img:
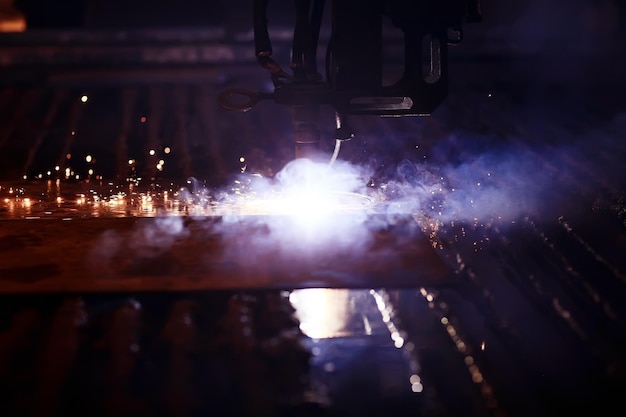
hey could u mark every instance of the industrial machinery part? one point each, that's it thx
(353, 81)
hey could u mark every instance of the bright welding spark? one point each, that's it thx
(305, 203)
(307, 208)
(306, 190)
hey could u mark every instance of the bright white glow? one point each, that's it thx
(84, 99)
(307, 190)
(417, 387)
(307, 204)
(323, 313)
(399, 342)
(310, 210)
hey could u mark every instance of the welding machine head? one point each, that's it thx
(353, 79)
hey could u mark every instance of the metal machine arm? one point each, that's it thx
(353, 81)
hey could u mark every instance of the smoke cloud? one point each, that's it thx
(314, 213)
(468, 178)
(309, 211)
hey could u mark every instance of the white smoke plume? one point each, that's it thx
(311, 211)
(307, 211)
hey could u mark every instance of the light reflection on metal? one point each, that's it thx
(331, 317)
(323, 313)
(588, 287)
(592, 251)
(386, 310)
(132, 198)
(462, 347)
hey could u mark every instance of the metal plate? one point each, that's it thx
(141, 254)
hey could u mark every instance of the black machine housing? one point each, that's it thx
(353, 81)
